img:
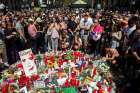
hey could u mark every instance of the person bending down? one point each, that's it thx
(111, 55)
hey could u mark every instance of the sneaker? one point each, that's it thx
(6, 64)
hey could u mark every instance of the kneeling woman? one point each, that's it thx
(111, 55)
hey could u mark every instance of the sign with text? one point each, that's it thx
(39, 84)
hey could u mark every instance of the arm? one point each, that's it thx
(56, 26)
(110, 58)
(82, 25)
(20, 33)
(136, 55)
(119, 36)
(35, 28)
(9, 37)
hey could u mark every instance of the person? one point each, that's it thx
(136, 51)
(2, 7)
(95, 37)
(11, 46)
(3, 55)
(32, 31)
(54, 36)
(20, 29)
(77, 43)
(71, 26)
(116, 36)
(48, 37)
(85, 24)
(64, 41)
(111, 55)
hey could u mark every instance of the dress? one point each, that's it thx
(11, 47)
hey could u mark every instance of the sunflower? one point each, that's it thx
(50, 64)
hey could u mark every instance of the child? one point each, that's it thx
(77, 43)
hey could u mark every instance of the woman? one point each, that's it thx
(54, 36)
(116, 36)
(20, 29)
(111, 55)
(95, 38)
(11, 47)
(32, 31)
(48, 37)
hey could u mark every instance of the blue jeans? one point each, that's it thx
(114, 44)
(54, 43)
(84, 36)
(48, 44)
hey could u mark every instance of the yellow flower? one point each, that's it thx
(50, 64)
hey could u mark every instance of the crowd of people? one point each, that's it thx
(110, 35)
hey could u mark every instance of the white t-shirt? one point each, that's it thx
(88, 23)
(2, 6)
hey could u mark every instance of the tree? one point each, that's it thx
(65, 2)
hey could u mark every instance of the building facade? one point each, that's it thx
(114, 3)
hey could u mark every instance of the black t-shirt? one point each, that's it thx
(12, 40)
(136, 47)
(72, 25)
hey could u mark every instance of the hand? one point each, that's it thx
(138, 60)
(14, 33)
(104, 58)
(126, 52)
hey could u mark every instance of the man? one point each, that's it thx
(85, 25)
(2, 7)
(3, 56)
(71, 26)
(136, 54)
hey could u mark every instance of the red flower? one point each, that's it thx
(34, 77)
(73, 82)
(100, 91)
(31, 57)
(76, 54)
(20, 66)
(23, 80)
(46, 61)
(78, 83)
(67, 83)
(5, 88)
(94, 72)
(52, 59)
(60, 62)
(109, 89)
(94, 91)
(99, 84)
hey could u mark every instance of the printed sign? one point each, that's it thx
(39, 84)
(29, 65)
